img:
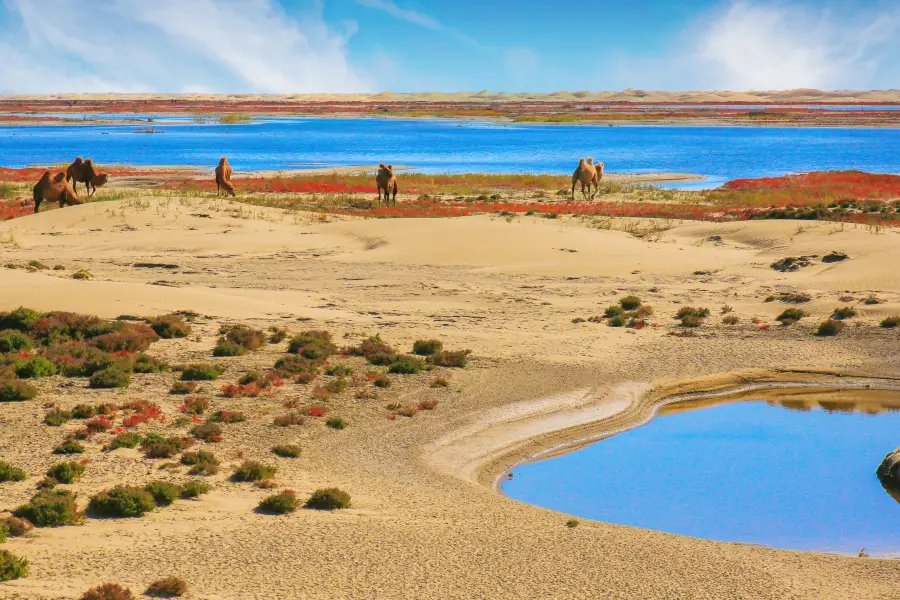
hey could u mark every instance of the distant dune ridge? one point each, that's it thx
(628, 95)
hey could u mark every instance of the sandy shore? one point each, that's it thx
(426, 521)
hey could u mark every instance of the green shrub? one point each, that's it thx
(122, 501)
(9, 472)
(208, 432)
(382, 381)
(690, 311)
(296, 365)
(280, 504)
(243, 335)
(21, 319)
(112, 377)
(227, 416)
(108, 591)
(844, 312)
(830, 327)
(147, 364)
(193, 489)
(277, 334)
(339, 371)
(157, 446)
(251, 470)
(164, 492)
(125, 440)
(195, 406)
(57, 417)
(451, 358)
(202, 372)
(613, 311)
(337, 386)
(196, 458)
(314, 345)
(617, 321)
(407, 365)
(69, 447)
(34, 368)
(791, 315)
(4, 532)
(375, 351)
(287, 450)
(66, 472)
(14, 342)
(47, 483)
(225, 348)
(251, 377)
(50, 508)
(891, 322)
(328, 499)
(170, 587)
(730, 320)
(170, 326)
(182, 388)
(84, 411)
(16, 391)
(427, 347)
(336, 423)
(11, 566)
(629, 302)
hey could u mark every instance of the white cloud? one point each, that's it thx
(417, 18)
(771, 46)
(172, 46)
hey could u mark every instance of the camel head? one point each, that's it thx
(100, 180)
(390, 168)
(223, 161)
(381, 166)
(590, 160)
(58, 177)
(78, 161)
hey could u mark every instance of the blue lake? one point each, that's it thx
(739, 472)
(721, 153)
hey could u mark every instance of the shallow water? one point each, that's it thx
(721, 153)
(739, 472)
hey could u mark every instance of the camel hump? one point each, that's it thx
(390, 168)
(381, 166)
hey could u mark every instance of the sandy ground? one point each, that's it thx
(426, 521)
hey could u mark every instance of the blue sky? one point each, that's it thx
(310, 46)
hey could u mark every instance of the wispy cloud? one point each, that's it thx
(417, 18)
(171, 46)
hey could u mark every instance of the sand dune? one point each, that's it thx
(426, 521)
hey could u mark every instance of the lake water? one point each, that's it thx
(739, 472)
(721, 153)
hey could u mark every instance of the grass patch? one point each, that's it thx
(280, 504)
(202, 372)
(251, 470)
(122, 501)
(328, 499)
(12, 566)
(287, 451)
(9, 472)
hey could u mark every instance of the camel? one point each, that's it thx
(386, 180)
(83, 171)
(56, 189)
(586, 174)
(223, 177)
(599, 167)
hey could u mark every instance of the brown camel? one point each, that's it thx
(387, 182)
(223, 177)
(599, 167)
(84, 171)
(56, 189)
(586, 174)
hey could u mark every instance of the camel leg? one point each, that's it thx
(394, 201)
(379, 197)
(573, 189)
(37, 204)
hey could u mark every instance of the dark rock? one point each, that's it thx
(889, 471)
(833, 256)
(793, 263)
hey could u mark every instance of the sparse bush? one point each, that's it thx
(130, 337)
(228, 416)
(730, 320)
(57, 417)
(288, 420)
(251, 377)
(617, 321)
(66, 472)
(195, 406)
(891, 322)
(571, 523)
(791, 315)
(844, 312)
(170, 587)
(871, 299)
(613, 311)
(830, 327)
(157, 446)
(47, 483)
(451, 358)
(314, 345)
(629, 302)
(407, 411)
(164, 492)
(125, 440)
(427, 405)
(69, 447)
(208, 432)
(34, 368)
(382, 381)
(199, 457)
(226, 348)
(427, 347)
(82, 275)
(108, 591)
(339, 371)
(328, 499)
(440, 382)
(287, 450)
(280, 504)
(14, 341)
(337, 386)
(336, 423)
(122, 501)
(690, 311)
(183, 388)
(50, 508)
(296, 365)
(691, 321)
(98, 425)
(12, 566)
(9, 472)
(407, 365)
(277, 334)
(170, 326)
(375, 351)
(15, 526)
(193, 489)
(144, 363)
(202, 372)
(110, 378)
(16, 391)
(251, 470)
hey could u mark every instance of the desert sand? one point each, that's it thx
(427, 521)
